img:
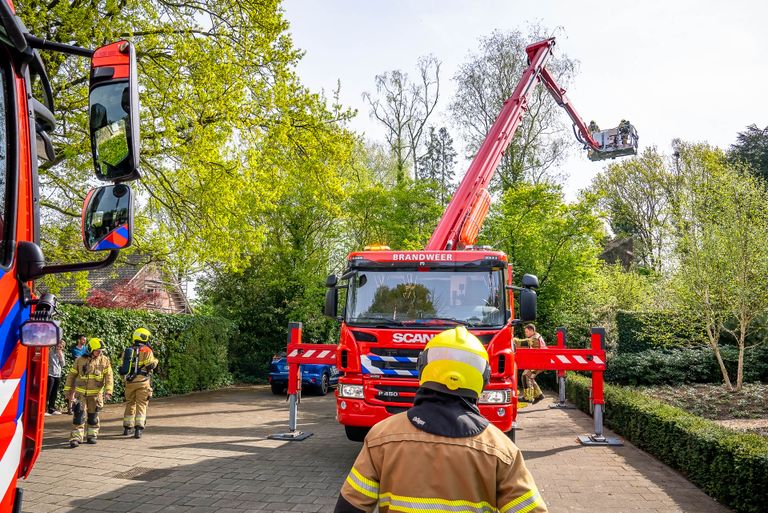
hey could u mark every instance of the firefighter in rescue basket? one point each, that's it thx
(138, 363)
(480, 468)
(89, 383)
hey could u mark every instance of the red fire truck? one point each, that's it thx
(26, 325)
(396, 301)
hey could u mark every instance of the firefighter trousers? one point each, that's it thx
(86, 410)
(136, 400)
(531, 389)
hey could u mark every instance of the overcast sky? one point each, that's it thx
(697, 70)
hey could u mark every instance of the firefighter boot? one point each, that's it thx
(126, 431)
(137, 433)
(90, 440)
(73, 444)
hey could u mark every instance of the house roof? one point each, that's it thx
(122, 271)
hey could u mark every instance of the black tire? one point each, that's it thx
(324, 386)
(278, 389)
(356, 433)
(511, 434)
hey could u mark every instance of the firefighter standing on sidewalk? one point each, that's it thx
(138, 363)
(442, 454)
(89, 383)
(531, 391)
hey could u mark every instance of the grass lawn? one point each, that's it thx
(746, 410)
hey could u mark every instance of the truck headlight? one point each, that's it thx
(495, 397)
(351, 391)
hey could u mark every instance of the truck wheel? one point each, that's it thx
(511, 434)
(356, 433)
(322, 389)
(277, 389)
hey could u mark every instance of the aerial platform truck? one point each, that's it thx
(396, 301)
(27, 327)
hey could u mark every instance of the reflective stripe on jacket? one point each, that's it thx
(401, 468)
(90, 376)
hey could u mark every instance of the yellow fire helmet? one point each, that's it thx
(95, 344)
(141, 335)
(455, 362)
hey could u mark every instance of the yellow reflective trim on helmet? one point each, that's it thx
(457, 355)
(459, 338)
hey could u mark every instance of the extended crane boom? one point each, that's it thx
(464, 215)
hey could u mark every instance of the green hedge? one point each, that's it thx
(731, 467)
(639, 331)
(192, 349)
(684, 365)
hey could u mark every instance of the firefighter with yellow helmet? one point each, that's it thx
(138, 363)
(442, 454)
(89, 383)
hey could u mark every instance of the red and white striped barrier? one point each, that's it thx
(297, 355)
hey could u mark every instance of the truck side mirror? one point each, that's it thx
(332, 302)
(114, 112)
(107, 218)
(332, 296)
(530, 281)
(527, 305)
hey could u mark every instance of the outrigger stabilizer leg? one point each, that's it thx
(294, 390)
(562, 336)
(598, 438)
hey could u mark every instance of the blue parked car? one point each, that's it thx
(319, 378)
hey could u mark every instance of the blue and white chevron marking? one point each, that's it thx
(366, 361)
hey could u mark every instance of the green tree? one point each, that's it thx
(751, 148)
(721, 217)
(224, 120)
(557, 241)
(438, 162)
(379, 209)
(487, 79)
(635, 193)
(404, 106)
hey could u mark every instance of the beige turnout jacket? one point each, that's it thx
(402, 468)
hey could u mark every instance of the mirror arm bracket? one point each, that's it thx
(44, 44)
(82, 266)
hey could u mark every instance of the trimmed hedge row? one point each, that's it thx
(731, 467)
(684, 365)
(192, 349)
(639, 331)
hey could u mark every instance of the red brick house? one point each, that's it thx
(134, 283)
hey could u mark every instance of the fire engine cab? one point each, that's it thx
(27, 327)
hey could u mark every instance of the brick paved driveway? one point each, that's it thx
(208, 452)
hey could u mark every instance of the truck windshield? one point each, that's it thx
(434, 298)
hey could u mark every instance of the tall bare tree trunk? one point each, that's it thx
(740, 366)
(713, 337)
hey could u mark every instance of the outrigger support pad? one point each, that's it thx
(597, 438)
